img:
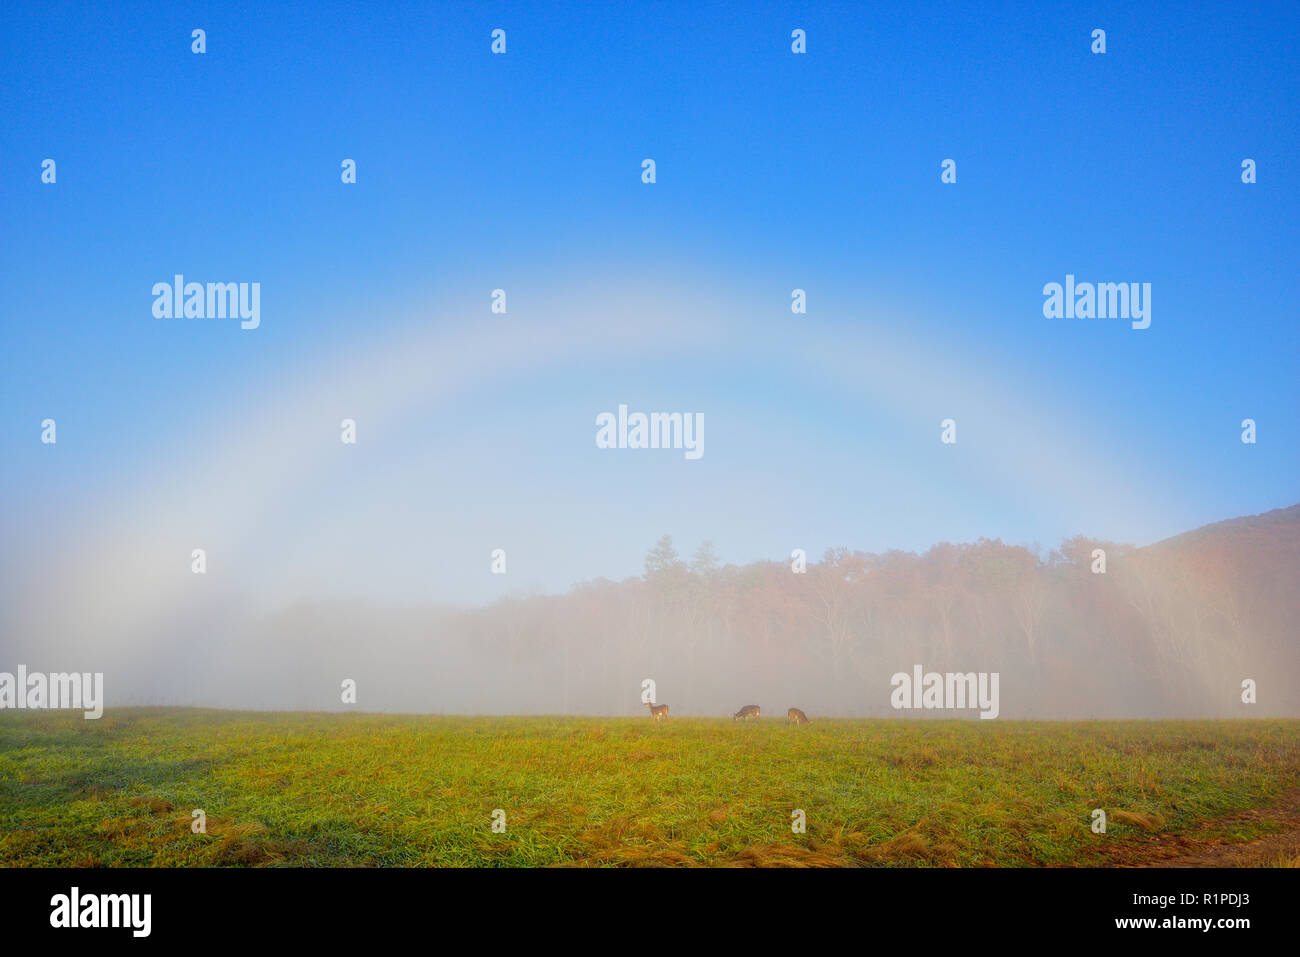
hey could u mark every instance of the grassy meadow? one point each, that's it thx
(310, 789)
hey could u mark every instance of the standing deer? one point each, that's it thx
(657, 711)
(747, 712)
(796, 716)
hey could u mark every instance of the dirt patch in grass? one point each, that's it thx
(1195, 848)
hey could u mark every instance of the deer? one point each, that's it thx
(795, 716)
(657, 711)
(747, 712)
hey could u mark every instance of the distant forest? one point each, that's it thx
(1168, 630)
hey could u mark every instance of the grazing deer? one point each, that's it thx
(657, 711)
(747, 712)
(796, 716)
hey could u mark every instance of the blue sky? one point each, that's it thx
(522, 171)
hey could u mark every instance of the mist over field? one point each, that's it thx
(1169, 630)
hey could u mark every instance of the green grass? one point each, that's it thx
(325, 789)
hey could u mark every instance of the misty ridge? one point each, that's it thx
(1169, 630)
